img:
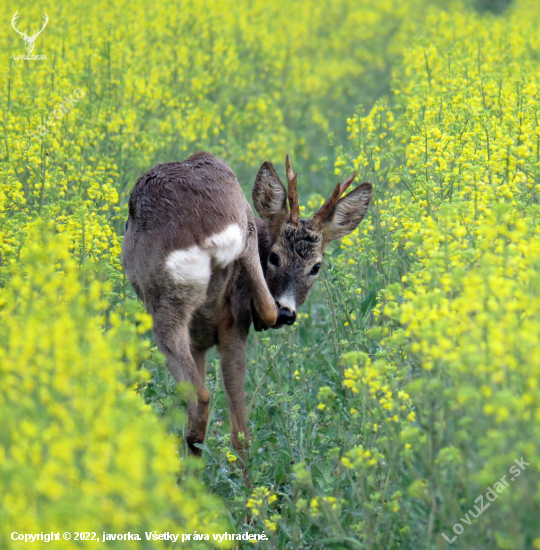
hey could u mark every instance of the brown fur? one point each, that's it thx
(176, 206)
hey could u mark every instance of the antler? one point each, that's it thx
(23, 34)
(331, 202)
(13, 21)
(292, 193)
(37, 33)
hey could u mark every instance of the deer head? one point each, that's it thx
(29, 40)
(291, 248)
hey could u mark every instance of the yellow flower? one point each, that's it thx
(270, 525)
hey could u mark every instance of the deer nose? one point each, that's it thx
(286, 316)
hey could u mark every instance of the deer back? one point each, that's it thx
(186, 219)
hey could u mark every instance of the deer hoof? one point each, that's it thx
(191, 439)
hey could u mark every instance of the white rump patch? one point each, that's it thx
(192, 265)
(189, 266)
(226, 245)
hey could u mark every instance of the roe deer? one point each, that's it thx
(205, 268)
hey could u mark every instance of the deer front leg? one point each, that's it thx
(232, 352)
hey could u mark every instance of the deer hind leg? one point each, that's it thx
(187, 278)
(198, 419)
(171, 333)
(264, 302)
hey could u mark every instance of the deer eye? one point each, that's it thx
(273, 259)
(315, 269)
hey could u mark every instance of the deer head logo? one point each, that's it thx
(29, 40)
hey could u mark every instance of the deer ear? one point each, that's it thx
(347, 214)
(270, 197)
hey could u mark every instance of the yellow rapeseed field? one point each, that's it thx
(457, 161)
(409, 386)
